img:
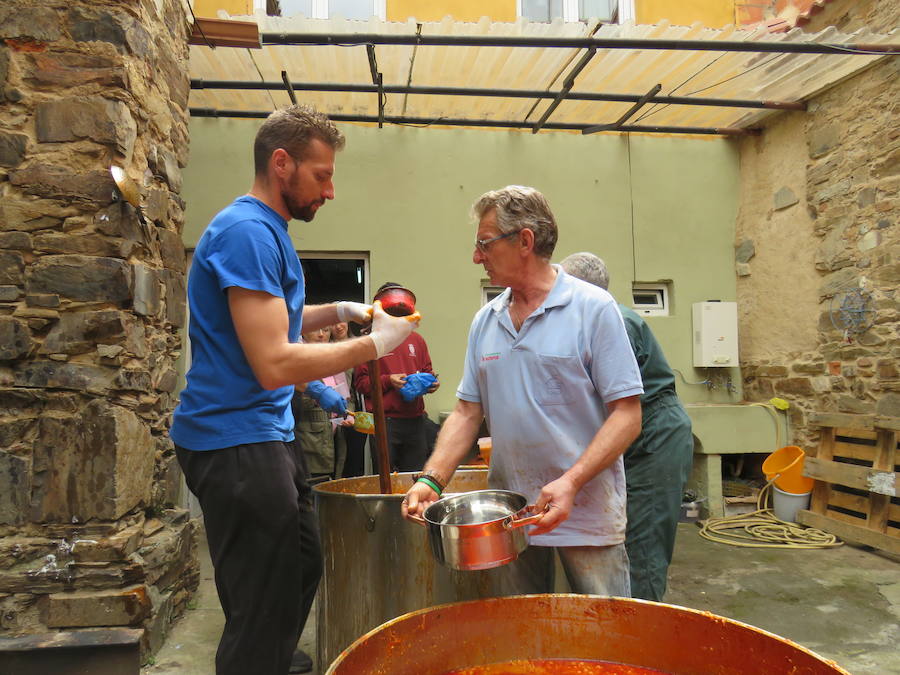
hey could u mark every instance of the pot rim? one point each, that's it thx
(463, 495)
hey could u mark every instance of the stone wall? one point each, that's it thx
(91, 311)
(818, 248)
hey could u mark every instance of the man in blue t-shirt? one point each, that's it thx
(233, 429)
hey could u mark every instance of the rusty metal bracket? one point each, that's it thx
(619, 123)
(568, 83)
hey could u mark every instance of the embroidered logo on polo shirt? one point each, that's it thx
(412, 349)
(491, 357)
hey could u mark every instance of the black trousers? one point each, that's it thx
(408, 443)
(265, 549)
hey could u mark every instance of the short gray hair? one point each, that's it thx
(519, 207)
(587, 267)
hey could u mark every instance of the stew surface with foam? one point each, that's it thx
(555, 667)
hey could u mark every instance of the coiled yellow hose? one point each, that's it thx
(761, 529)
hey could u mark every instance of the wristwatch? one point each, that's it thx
(430, 474)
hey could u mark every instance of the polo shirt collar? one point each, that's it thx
(560, 295)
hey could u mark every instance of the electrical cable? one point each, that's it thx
(762, 529)
(706, 381)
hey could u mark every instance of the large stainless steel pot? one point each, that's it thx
(378, 565)
(674, 640)
(478, 530)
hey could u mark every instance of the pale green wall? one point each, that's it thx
(403, 195)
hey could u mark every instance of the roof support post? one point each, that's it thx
(289, 87)
(567, 86)
(624, 118)
(378, 81)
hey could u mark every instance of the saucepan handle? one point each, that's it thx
(418, 519)
(511, 522)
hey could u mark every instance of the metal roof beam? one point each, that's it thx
(354, 39)
(568, 83)
(511, 124)
(500, 93)
(624, 118)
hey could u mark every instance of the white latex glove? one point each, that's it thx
(389, 331)
(354, 311)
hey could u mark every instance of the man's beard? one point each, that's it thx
(304, 212)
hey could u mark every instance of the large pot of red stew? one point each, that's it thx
(563, 634)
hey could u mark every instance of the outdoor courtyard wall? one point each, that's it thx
(661, 209)
(816, 230)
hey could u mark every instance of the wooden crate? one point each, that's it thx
(857, 472)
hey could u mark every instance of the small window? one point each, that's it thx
(488, 293)
(650, 299)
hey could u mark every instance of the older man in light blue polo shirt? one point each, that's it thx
(549, 365)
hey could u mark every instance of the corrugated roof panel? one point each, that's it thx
(706, 74)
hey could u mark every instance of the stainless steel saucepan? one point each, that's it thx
(478, 530)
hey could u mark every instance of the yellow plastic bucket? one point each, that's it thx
(787, 464)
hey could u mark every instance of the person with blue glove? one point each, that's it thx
(313, 407)
(406, 376)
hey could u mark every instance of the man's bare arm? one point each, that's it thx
(457, 435)
(261, 323)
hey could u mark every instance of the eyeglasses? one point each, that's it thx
(482, 244)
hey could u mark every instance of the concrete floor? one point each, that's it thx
(843, 603)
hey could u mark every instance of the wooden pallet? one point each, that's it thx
(857, 472)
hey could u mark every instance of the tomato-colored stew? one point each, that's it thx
(555, 667)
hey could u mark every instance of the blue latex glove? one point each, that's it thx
(327, 398)
(416, 385)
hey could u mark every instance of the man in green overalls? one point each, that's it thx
(658, 463)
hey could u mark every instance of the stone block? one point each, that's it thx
(4, 71)
(800, 386)
(119, 439)
(16, 431)
(84, 278)
(838, 281)
(171, 250)
(744, 251)
(743, 270)
(72, 376)
(889, 405)
(62, 182)
(167, 167)
(865, 197)
(784, 198)
(12, 268)
(87, 117)
(113, 548)
(47, 300)
(12, 149)
(119, 607)
(147, 296)
(19, 241)
(823, 138)
(869, 240)
(15, 339)
(889, 166)
(10, 293)
(852, 404)
(28, 20)
(72, 244)
(31, 215)
(15, 488)
(156, 208)
(67, 69)
(80, 332)
(176, 297)
(170, 553)
(133, 379)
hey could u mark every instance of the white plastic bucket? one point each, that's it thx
(787, 504)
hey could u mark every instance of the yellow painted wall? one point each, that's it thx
(710, 13)
(461, 10)
(210, 8)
